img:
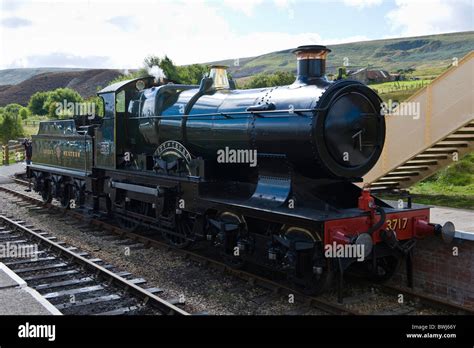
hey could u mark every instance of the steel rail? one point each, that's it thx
(326, 306)
(147, 297)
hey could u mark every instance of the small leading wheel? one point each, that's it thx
(179, 238)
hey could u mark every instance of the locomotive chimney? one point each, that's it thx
(311, 63)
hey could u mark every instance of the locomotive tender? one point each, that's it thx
(263, 175)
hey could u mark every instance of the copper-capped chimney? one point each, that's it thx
(311, 63)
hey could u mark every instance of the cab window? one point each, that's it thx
(109, 105)
(120, 102)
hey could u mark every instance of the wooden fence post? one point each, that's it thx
(6, 155)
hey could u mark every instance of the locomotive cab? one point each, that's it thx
(113, 138)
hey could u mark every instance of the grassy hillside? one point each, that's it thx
(429, 55)
(85, 82)
(15, 76)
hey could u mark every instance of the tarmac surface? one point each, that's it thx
(6, 171)
(16, 298)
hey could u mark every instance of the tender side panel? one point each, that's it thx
(67, 151)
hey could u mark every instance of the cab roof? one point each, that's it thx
(116, 87)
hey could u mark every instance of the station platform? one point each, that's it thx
(463, 220)
(8, 171)
(17, 298)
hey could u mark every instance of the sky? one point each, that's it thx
(120, 34)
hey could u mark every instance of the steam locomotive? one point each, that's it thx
(265, 176)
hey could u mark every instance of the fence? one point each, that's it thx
(31, 122)
(401, 86)
(12, 153)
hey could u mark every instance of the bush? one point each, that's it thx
(12, 109)
(24, 113)
(36, 103)
(186, 74)
(99, 104)
(10, 127)
(192, 74)
(279, 78)
(57, 98)
(458, 174)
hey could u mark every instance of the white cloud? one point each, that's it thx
(125, 23)
(283, 4)
(125, 33)
(245, 6)
(10, 5)
(15, 22)
(421, 17)
(248, 7)
(360, 4)
(119, 33)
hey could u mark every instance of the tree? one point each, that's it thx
(259, 81)
(168, 67)
(10, 127)
(191, 74)
(152, 61)
(186, 74)
(280, 78)
(12, 109)
(98, 103)
(36, 103)
(58, 100)
(24, 113)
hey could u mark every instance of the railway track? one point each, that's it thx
(353, 305)
(74, 282)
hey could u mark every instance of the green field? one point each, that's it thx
(31, 125)
(428, 55)
(453, 186)
(398, 90)
(387, 87)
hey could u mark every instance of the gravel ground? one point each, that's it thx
(204, 289)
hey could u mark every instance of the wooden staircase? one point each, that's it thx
(428, 162)
(416, 148)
